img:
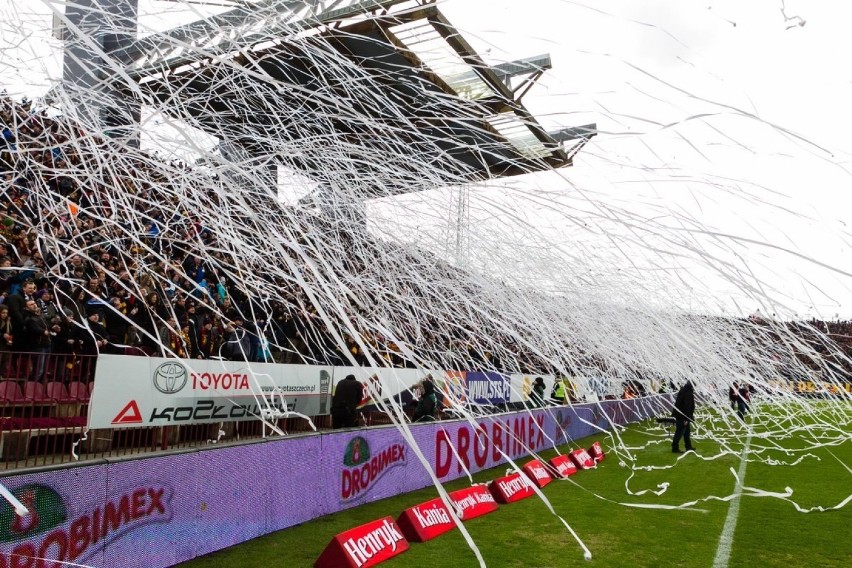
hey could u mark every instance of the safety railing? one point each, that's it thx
(44, 402)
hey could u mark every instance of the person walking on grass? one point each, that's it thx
(743, 401)
(683, 413)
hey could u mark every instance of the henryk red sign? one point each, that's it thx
(511, 488)
(563, 466)
(596, 451)
(425, 521)
(537, 473)
(364, 546)
(582, 458)
(472, 502)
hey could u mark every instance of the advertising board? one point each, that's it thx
(142, 391)
(159, 511)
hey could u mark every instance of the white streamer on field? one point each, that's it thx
(351, 214)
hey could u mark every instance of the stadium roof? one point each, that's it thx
(440, 103)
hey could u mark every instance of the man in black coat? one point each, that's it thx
(18, 305)
(36, 339)
(347, 396)
(683, 413)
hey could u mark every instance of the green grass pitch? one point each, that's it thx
(769, 531)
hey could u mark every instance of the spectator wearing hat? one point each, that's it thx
(95, 337)
(45, 302)
(210, 339)
(191, 334)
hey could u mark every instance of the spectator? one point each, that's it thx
(210, 339)
(171, 340)
(344, 402)
(45, 302)
(17, 305)
(116, 324)
(7, 342)
(537, 393)
(192, 334)
(36, 340)
(236, 345)
(427, 406)
(67, 340)
(94, 338)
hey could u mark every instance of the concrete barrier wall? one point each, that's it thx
(159, 511)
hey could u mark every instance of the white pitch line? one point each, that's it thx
(726, 539)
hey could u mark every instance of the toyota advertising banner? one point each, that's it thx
(143, 391)
(133, 392)
(162, 510)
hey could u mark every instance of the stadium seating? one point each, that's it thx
(10, 393)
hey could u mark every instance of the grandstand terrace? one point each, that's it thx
(103, 290)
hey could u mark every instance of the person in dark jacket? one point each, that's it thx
(427, 406)
(683, 413)
(743, 400)
(347, 395)
(17, 304)
(733, 392)
(237, 345)
(537, 394)
(36, 339)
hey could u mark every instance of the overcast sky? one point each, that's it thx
(723, 142)
(729, 114)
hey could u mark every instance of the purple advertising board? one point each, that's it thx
(488, 388)
(160, 511)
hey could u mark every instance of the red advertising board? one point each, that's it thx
(596, 451)
(511, 488)
(563, 466)
(582, 458)
(425, 521)
(364, 546)
(472, 502)
(536, 471)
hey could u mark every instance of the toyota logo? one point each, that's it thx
(170, 377)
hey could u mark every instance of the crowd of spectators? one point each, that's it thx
(101, 251)
(75, 281)
(71, 282)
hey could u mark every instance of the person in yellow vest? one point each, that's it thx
(558, 392)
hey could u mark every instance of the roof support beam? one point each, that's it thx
(584, 132)
(528, 65)
(273, 17)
